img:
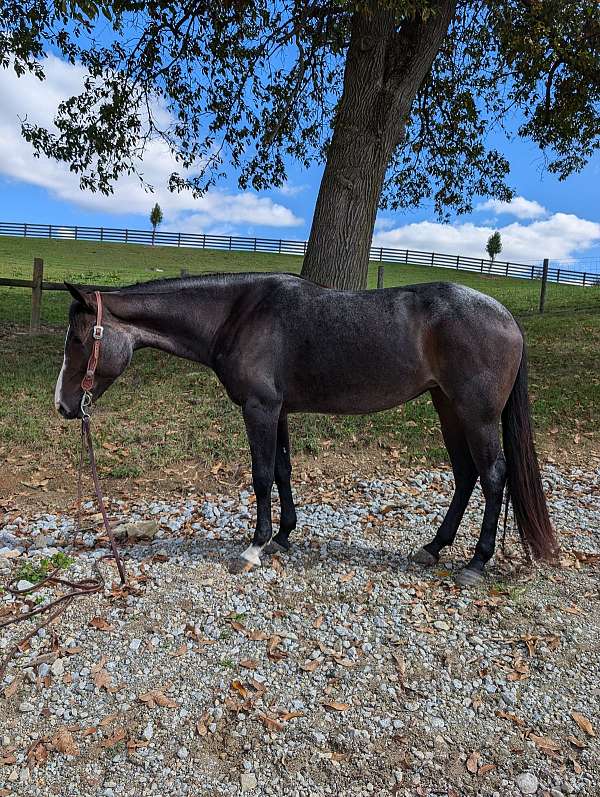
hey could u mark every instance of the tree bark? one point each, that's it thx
(385, 67)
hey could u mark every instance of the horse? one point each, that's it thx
(280, 344)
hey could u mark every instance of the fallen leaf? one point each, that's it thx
(545, 744)
(318, 621)
(512, 717)
(100, 623)
(102, 679)
(181, 651)
(485, 769)
(249, 664)
(584, 723)
(270, 723)
(12, 687)
(239, 687)
(37, 755)
(473, 762)
(348, 577)
(118, 736)
(311, 665)
(63, 742)
(107, 720)
(577, 742)
(336, 706)
(156, 698)
(291, 715)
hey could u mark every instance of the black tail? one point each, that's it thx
(524, 481)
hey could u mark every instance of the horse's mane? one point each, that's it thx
(170, 284)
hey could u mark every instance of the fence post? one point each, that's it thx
(380, 270)
(36, 295)
(584, 276)
(544, 284)
(506, 270)
(25, 231)
(558, 275)
(49, 231)
(184, 272)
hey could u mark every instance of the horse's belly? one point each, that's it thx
(358, 395)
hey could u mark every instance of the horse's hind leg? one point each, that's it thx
(484, 444)
(283, 473)
(465, 476)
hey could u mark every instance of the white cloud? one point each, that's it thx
(519, 207)
(292, 189)
(37, 100)
(559, 237)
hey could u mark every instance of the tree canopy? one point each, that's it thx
(246, 87)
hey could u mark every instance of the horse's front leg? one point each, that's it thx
(261, 417)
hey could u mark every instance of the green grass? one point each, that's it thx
(164, 411)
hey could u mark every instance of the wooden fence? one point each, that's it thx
(288, 247)
(37, 285)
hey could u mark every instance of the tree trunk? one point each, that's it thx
(385, 67)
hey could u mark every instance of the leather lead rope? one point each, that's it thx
(87, 586)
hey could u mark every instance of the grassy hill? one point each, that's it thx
(165, 410)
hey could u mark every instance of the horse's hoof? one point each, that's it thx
(468, 578)
(275, 547)
(239, 565)
(423, 557)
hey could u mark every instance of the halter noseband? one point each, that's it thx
(87, 383)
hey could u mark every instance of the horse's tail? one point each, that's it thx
(523, 472)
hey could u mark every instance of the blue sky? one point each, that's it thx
(548, 218)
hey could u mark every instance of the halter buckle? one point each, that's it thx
(98, 332)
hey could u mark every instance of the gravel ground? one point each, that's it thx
(338, 669)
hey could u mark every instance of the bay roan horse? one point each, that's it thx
(280, 344)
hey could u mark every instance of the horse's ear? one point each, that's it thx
(86, 299)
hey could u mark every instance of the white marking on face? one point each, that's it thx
(252, 554)
(59, 381)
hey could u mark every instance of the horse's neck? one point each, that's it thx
(181, 322)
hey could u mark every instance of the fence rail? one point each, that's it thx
(282, 246)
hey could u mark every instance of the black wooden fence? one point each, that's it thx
(288, 247)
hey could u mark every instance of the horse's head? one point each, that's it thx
(116, 350)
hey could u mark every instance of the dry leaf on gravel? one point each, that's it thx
(181, 651)
(577, 742)
(506, 715)
(485, 769)
(100, 624)
(12, 687)
(473, 762)
(584, 723)
(157, 698)
(249, 664)
(102, 679)
(545, 744)
(63, 742)
(37, 754)
(118, 736)
(336, 706)
(270, 723)
(318, 621)
(347, 577)
(239, 687)
(311, 665)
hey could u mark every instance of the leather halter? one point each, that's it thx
(87, 383)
